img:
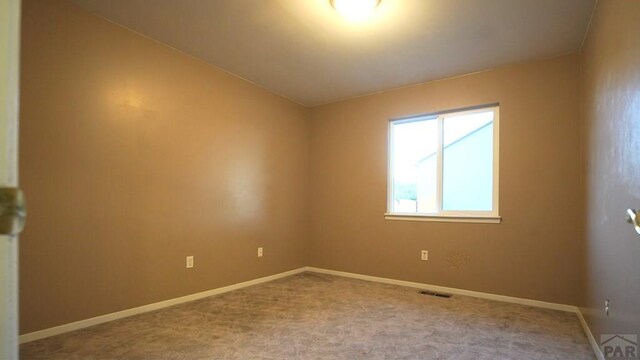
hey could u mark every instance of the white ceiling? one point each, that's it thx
(303, 50)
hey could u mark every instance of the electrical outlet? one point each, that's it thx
(424, 255)
(189, 262)
(606, 306)
(260, 253)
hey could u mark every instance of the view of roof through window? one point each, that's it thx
(467, 145)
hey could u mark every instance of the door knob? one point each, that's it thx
(633, 217)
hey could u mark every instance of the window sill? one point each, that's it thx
(445, 218)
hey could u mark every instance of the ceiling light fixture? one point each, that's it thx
(355, 10)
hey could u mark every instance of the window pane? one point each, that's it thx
(414, 161)
(467, 165)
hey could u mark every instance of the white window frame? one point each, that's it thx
(441, 215)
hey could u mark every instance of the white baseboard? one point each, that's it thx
(163, 304)
(476, 294)
(448, 290)
(41, 334)
(592, 340)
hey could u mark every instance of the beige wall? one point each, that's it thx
(610, 88)
(134, 156)
(531, 254)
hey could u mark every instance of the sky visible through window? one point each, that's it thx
(414, 152)
(416, 140)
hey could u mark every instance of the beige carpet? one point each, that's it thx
(312, 316)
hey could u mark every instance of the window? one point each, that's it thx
(444, 167)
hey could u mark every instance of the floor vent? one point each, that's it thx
(433, 293)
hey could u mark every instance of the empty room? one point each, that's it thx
(320, 179)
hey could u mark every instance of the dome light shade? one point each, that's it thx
(355, 10)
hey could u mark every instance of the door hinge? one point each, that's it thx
(13, 211)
